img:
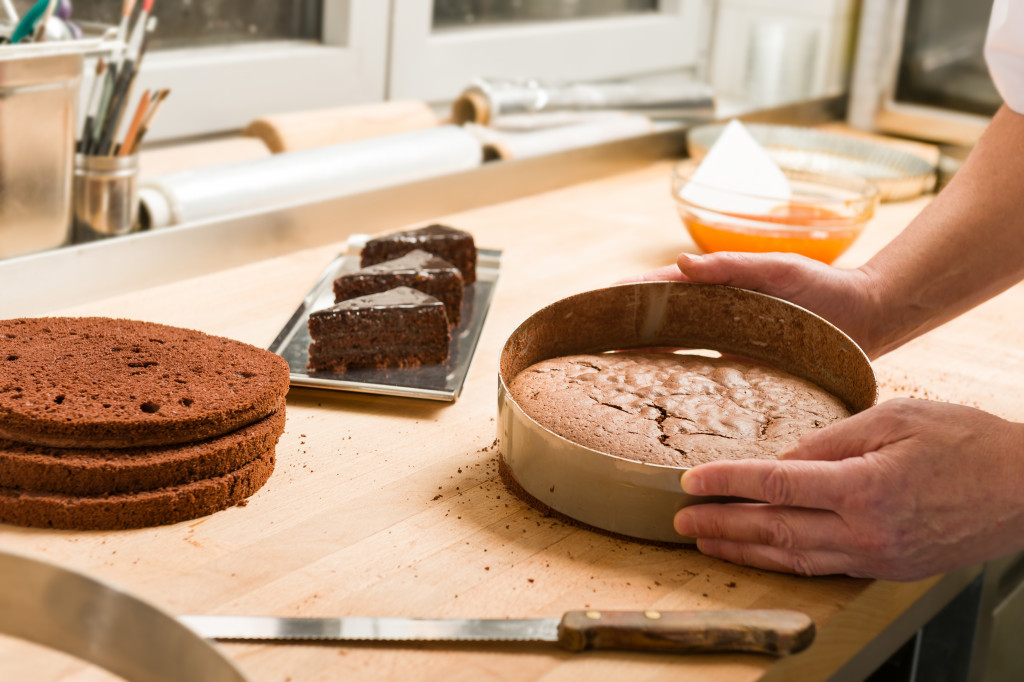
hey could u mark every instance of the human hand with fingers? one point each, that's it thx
(905, 489)
(901, 491)
(843, 297)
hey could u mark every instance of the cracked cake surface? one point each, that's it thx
(672, 409)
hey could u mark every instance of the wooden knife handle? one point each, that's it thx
(774, 632)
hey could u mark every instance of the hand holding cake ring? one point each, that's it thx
(880, 494)
(908, 488)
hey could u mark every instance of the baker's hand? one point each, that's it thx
(843, 297)
(901, 491)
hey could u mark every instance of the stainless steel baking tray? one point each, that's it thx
(897, 174)
(432, 382)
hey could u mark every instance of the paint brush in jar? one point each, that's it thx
(133, 128)
(158, 99)
(125, 79)
(126, 15)
(92, 108)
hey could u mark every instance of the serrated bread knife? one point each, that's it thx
(775, 632)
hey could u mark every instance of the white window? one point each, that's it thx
(228, 62)
(224, 87)
(434, 55)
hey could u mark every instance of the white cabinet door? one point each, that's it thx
(221, 88)
(436, 63)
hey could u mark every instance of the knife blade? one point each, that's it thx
(776, 632)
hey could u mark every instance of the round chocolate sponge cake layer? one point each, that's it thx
(135, 510)
(670, 409)
(95, 382)
(111, 471)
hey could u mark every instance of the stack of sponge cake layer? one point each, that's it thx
(113, 424)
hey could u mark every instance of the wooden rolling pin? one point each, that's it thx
(193, 155)
(297, 130)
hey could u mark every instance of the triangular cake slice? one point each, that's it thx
(417, 269)
(455, 246)
(401, 327)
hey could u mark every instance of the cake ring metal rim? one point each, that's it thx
(76, 614)
(638, 499)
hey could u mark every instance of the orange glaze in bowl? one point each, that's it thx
(795, 232)
(824, 216)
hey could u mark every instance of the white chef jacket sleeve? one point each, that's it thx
(1004, 51)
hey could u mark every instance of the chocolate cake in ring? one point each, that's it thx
(639, 499)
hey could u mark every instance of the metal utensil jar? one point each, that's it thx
(106, 196)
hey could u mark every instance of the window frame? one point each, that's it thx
(378, 50)
(347, 67)
(437, 66)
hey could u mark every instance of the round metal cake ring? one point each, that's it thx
(75, 614)
(633, 498)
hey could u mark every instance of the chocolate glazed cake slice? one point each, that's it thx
(418, 270)
(455, 246)
(401, 327)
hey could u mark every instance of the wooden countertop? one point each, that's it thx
(385, 506)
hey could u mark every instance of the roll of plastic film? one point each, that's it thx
(512, 144)
(309, 175)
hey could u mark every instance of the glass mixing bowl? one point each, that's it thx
(821, 219)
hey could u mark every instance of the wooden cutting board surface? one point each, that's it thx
(386, 506)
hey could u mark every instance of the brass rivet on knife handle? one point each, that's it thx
(774, 632)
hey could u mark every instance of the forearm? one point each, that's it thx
(965, 247)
